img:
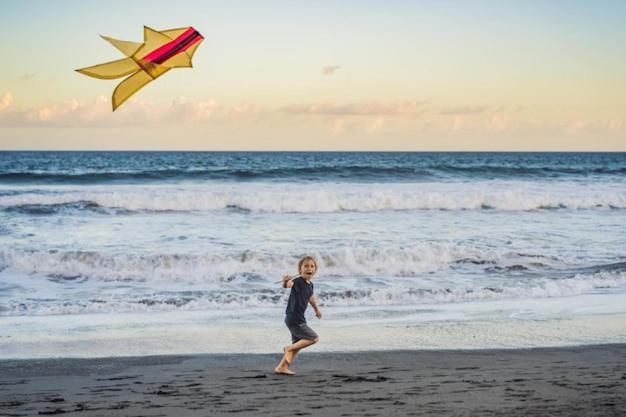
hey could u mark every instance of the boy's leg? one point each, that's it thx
(283, 367)
(290, 353)
(297, 347)
(288, 356)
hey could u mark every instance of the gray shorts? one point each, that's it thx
(300, 331)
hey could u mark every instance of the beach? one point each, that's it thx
(425, 202)
(574, 381)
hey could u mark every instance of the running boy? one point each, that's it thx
(300, 297)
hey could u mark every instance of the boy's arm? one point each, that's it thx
(313, 303)
(287, 282)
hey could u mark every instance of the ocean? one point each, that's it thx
(122, 253)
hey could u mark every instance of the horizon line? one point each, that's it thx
(305, 151)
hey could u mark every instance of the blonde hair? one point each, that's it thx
(304, 259)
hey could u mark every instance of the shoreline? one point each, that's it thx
(262, 332)
(586, 380)
(160, 358)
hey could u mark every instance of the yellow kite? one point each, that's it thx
(159, 53)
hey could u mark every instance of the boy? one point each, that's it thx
(300, 297)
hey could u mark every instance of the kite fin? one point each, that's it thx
(111, 70)
(128, 87)
(126, 47)
(192, 49)
(152, 40)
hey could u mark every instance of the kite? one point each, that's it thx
(160, 52)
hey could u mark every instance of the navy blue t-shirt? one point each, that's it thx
(298, 300)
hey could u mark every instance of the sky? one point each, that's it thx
(352, 76)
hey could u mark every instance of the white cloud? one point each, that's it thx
(97, 113)
(377, 124)
(586, 126)
(5, 101)
(330, 70)
(339, 126)
(337, 119)
(28, 75)
(244, 110)
(192, 111)
(395, 108)
(614, 124)
(464, 110)
(79, 113)
(501, 123)
(457, 124)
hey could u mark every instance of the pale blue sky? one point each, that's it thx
(555, 66)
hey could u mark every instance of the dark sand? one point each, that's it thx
(580, 381)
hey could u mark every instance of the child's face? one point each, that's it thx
(307, 270)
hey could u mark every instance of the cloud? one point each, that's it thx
(77, 113)
(365, 125)
(357, 119)
(97, 113)
(488, 122)
(614, 124)
(377, 124)
(465, 110)
(339, 126)
(457, 124)
(192, 111)
(5, 101)
(510, 120)
(480, 118)
(475, 110)
(28, 75)
(501, 123)
(135, 112)
(245, 110)
(396, 108)
(330, 70)
(391, 117)
(586, 126)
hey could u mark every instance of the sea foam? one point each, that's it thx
(322, 198)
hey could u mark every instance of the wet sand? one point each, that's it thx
(577, 381)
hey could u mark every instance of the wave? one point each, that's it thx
(261, 268)
(524, 171)
(78, 282)
(288, 173)
(612, 267)
(333, 198)
(67, 207)
(536, 288)
(320, 172)
(398, 295)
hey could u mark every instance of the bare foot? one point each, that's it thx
(283, 371)
(288, 355)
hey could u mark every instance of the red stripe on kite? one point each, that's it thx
(178, 45)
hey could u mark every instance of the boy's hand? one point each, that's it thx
(287, 283)
(318, 313)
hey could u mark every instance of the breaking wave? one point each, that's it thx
(331, 198)
(391, 295)
(263, 267)
(349, 277)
